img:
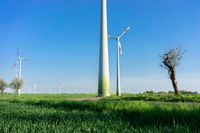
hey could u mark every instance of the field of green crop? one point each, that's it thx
(67, 113)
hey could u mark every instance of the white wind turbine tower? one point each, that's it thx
(104, 79)
(119, 52)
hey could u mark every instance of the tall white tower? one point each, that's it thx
(104, 79)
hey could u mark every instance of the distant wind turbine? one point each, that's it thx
(119, 52)
(20, 60)
(34, 88)
(18, 71)
(60, 89)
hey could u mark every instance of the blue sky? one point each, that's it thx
(61, 39)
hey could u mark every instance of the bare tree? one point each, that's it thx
(170, 60)
(3, 86)
(16, 84)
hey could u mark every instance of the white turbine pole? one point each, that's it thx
(60, 90)
(104, 80)
(19, 72)
(20, 67)
(118, 68)
(119, 52)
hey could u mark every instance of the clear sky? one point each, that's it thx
(61, 39)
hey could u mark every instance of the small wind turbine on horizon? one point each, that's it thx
(20, 60)
(34, 88)
(17, 67)
(119, 52)
(60, 90)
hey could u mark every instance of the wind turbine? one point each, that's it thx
(20, 60)
(119, 52)
(34, 88)
(60, 89)
(104, 79)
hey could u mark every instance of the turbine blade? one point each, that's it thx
(111, 37)
(125, 31)
(14, 68)
(120, 48)
(24, 59)
(27, 59)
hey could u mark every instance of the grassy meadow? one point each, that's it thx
(74, 113)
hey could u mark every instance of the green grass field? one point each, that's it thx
(130, 113)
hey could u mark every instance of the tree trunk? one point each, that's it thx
(174, 82)
(175, 85)
(18, 92)
(1, 92)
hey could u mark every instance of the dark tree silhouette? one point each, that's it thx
(170, 60)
